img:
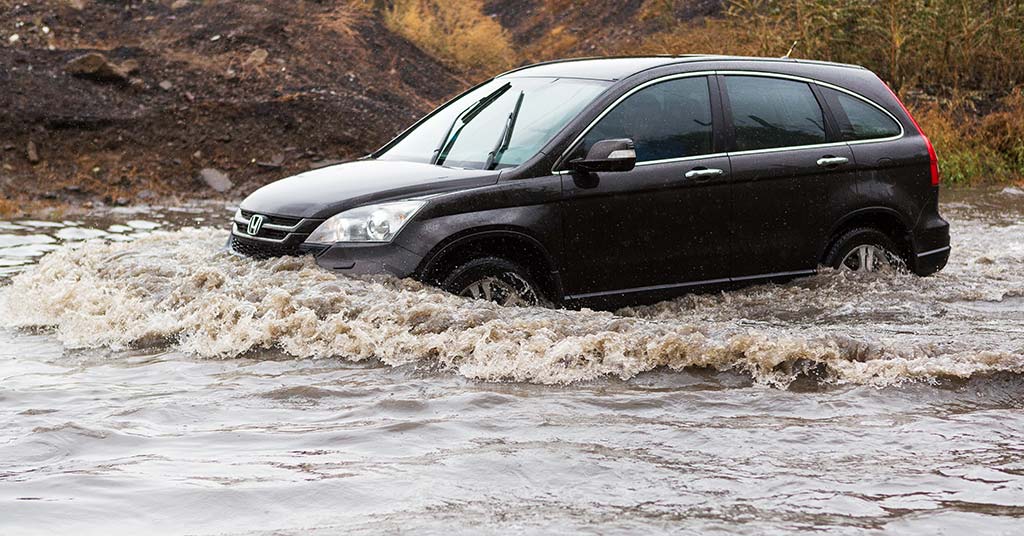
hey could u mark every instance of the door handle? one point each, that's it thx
(703, 173)
(831, 161)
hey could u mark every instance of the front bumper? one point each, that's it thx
(350, 259)
(281, 236)
(363, 259)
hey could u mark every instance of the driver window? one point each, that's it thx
(669, 119)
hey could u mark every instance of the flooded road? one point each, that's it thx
(151, 383)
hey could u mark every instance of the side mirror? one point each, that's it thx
(607, 155)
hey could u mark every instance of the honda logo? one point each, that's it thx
(255, 224)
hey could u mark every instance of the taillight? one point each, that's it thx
(933, 157)
(934, 160)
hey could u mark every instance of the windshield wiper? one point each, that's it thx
(467, 115)
(506, 135)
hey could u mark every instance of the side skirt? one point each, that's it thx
(654, 293)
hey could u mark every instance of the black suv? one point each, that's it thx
(613, 181)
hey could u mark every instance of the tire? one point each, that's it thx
(865, 249)
(494, 279)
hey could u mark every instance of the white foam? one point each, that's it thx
(180, 288)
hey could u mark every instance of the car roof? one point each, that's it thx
(617, 68)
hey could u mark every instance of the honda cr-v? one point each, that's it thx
(605, 182)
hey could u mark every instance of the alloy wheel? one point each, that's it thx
(871, 258)
(509, 290)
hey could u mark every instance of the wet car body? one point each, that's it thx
(667, 226)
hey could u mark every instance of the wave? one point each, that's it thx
(181, 289)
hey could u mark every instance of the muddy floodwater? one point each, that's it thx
(152, 384)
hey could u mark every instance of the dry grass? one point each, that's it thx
(11, 209)
(559, 42)
(949, 47)
(342, 21)
(973, 149)
(711, 36)
(8, 208)
(457, 33)
(963, 44)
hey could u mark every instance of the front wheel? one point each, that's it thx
(496, 280)
(865, 250)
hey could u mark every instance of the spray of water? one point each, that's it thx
(180, 288)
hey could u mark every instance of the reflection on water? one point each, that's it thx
(177, 387)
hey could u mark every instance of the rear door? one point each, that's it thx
(664, 224)
(784, 155)
(883, 156)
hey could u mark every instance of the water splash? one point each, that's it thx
(179, 288)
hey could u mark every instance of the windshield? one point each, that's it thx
(498, 125)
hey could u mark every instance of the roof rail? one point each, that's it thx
(684, 58)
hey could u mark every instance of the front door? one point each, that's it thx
(664, 225)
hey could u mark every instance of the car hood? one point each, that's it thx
(324, 192)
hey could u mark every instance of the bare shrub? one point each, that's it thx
(458, 33)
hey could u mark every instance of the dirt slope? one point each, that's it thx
(257, 90)
(254, 90)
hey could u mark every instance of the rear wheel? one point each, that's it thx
(865, 250)
(496, 280)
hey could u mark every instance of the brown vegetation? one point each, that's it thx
(455, 32)
(976, 148)
(956, 62)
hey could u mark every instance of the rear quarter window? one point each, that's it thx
(858, 119)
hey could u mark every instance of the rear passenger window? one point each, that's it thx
(666, 120)
(857, 119)
(771, 112)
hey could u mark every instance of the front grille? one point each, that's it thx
(262, 250)
(273, 220)
(272, 234)
(265, 250)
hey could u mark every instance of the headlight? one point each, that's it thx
(372, 223)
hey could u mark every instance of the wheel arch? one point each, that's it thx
(885, 219)
(510, 243)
